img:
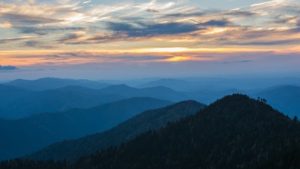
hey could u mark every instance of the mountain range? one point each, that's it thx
(17, 102)
(232, 133)
(21, 98)
(26, 135)
(148, 120)
(54, 83)
(284, 98)
(160, 92)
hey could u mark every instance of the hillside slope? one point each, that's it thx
(148, 120)
(18, 103)
(234, 132)
(24, 136)
(154, 92)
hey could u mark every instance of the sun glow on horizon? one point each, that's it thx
(63, 33)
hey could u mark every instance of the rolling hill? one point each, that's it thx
(148, 120)
(232, 133)
(19, 103)
(24, 136)
(155, 92)
(176, 84)
(54, 83)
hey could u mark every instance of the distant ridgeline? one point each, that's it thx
(23, 98)
(235, 132)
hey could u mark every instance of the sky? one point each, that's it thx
(112, 39)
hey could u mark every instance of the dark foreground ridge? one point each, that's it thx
(235, 132)
(149, 120)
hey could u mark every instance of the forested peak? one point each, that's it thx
(239, 105)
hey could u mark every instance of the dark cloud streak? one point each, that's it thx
(9, 40)
(267, 43)
(7, 68)
(142, 29)
(46, 30)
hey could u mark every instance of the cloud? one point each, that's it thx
(100, 57)
(71, 37)
(11, 40)
(184, 15)
(240, 13)
(271, 4)
(7, 68)
(216, 23)
(76, 38)
(47, 30)
(155, 29)
(37, 44)
(122, 31)
(73, 58)
(23, 19)
(270, 42)
(6, 25)
(167, 23)
(237, 61)
(33, 14)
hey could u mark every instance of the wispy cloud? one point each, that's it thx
(47, 30)
(132, 26)
(11, 40)
(24, 19)
(140, 19)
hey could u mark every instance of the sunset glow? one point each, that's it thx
(74, 32)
